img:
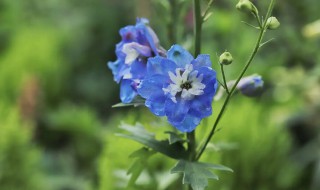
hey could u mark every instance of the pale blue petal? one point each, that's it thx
(160, 65)
(179, 55)
(203, 60)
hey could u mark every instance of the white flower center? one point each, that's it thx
(185, 83)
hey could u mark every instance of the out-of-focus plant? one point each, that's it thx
(19, 157)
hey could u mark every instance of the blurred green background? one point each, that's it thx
(56, 122)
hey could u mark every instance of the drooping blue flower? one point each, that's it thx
(138, 43)
(251, 85)
(179, 87)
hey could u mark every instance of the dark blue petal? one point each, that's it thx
(188, 124)
(127, 91)
(179, 55)
(203, 60)
(151, 87)
(176, 112)
(160, 65)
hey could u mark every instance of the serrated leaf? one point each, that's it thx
(174, 137)
(141, 155)
(197, 173)
(139, 134)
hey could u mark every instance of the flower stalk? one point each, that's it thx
(229, 95)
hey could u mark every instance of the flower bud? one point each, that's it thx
(225, 58)
(273, 23)
(247, 7)
(251, 85)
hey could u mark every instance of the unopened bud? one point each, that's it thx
(247, 7)
(250, 86)
(225, 58)
(273, 23)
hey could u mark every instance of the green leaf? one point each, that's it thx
(139, 134)
(197, 173)
(174, 137)
(138, 101)
(141, 155)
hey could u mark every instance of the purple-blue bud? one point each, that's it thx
(251, 85)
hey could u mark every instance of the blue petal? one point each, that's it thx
(160, 65)
(203, 60)
(127, 92)
(209, 79)
(128, 33)
(118, 69)
(157, 106)
(201, 106)
(151, 87)
(138, 69)
(176, 112)
(151, 38)
(179, 55)
(188, 124)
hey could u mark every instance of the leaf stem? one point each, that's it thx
(224, 106)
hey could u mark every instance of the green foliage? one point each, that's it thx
(139, 134)
(142, 155)
(19, 158)
(197, 173)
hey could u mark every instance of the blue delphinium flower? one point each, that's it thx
(179, 87)
(138, 43)
(251, 85)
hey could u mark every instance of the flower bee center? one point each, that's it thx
(187, 85)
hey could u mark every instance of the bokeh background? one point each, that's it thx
(57, 125)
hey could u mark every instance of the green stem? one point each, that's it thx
(224, 106)
(224, 78)
(172, 26)
(191, 145)
(197, 27)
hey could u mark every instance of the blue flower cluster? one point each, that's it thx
(174, 83)
(138, 43)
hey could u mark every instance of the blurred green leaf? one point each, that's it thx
(139, 164)
(174, 137)
(139, 134)
(197, 173)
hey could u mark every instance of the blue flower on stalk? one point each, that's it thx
(138, 43)
(179, 87)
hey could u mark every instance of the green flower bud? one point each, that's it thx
(247, 7)
(273, 23)
(225, 58)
